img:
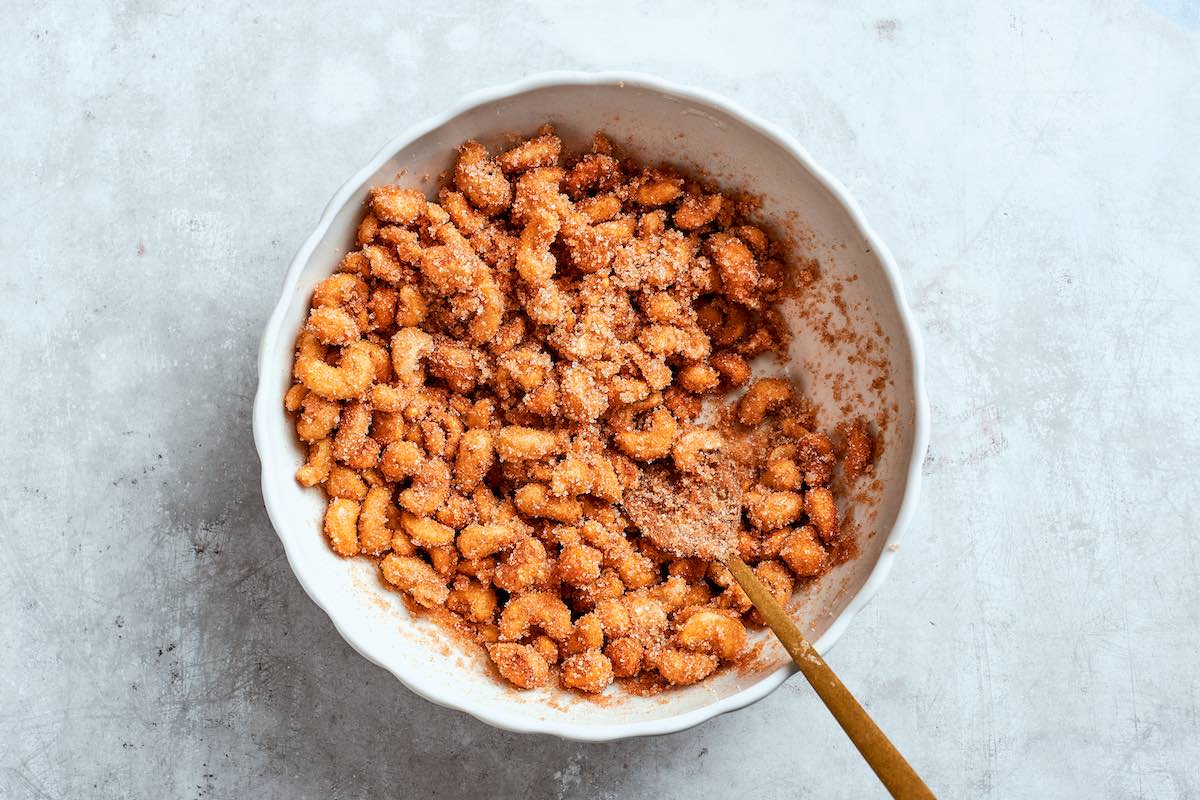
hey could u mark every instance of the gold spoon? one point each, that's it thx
(696, 516)
(892, 768)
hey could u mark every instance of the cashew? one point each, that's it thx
(318, 417)
(410, 307)
(860, 450)
(400, 460)
(332, 325)
(409, 347)
(479, 177)
(519, 664)
(349, 379)
(294, 397)
(737, 266)
(688, 447)
(535, 500)
(429, 488)
(696, 211)
(444, 560)
(535, 609)
(594, 170)
(588, 635)
(535, 262)
(772, 510)
(666, 340)
(382, 307)
(713, 632)
(625, 655)
(464, 217)
(735, 321)
(425, 532)
(374, 533)
(803, 554)
(778, 580)
(589, 671)
(818, 503)
(653, 442)
(491, 311)
(753, 237)
(593, 475)
(698, 378)
(482, 540)
(600, 208)
(345, 290)
(352, 446)
(765, 396)
(384, 265)
(416, 578)
(525, 567)
(316, 468)
(659, 190)
(684, 667)
(341, 526)
(540, 151)
(546, 648)
(516, 443)
(387, 427)
(345, 482)
(472, 600)
(579, 564)
(395, 204)
(381, 361)
(783, 474)
(475, 458)
(368, 229)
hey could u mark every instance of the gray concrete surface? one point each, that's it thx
(1033, 167)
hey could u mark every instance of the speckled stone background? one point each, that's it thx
(1034, 168)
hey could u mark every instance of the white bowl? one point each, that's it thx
(659, 121)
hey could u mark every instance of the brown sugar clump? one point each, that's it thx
(688, 514)
(503, 395)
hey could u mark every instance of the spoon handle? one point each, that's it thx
(900, 779)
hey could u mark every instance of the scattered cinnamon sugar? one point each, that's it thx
(646, 684)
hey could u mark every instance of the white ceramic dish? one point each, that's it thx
(658, 121)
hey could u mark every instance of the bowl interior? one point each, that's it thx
(851, 354)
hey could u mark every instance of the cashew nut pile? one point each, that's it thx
(485, 377)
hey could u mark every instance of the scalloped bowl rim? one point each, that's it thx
(266, 404)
